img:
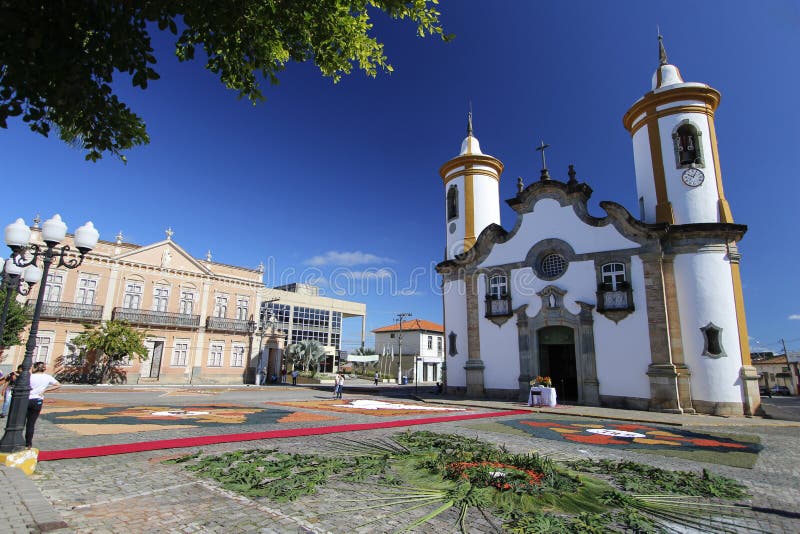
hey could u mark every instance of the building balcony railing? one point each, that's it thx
(156, 318)
(68, 310)
(223, 324)
(498, 306)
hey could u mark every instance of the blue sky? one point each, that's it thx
(322, 179)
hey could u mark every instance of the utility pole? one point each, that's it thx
(400, 317)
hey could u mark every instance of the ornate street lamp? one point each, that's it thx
(17, 236)
(15, 279)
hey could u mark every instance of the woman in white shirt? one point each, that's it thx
(41, 383)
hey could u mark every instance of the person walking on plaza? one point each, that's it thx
(377, 377)
(8, 389)
(340, 386)
(41, 383)
(295, 372)
(336, 383)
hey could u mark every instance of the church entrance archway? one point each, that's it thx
(557, 360)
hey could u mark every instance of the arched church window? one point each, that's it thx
(613, 275)
(688, 146)
(452, 203)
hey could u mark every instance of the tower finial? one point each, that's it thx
(469, 120)
(545, 173)
(662, 52)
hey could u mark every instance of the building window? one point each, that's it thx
(452, 203)
(241, 308)
(215, 355)
(87, 287)
(133, 295)
(42, 351)
(187, 302)
(498, 300)
(614, 290)
(712, 341)
(552, 266)
(430, 342)
(439, 346)
(498, 286)
(613, 275)
(221, 306)
(179, 354)
(688, 146)
(160, 298)
(237, 356)
(54, 287)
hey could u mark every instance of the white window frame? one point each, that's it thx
(134, 289)
(44, 342)
(161, 297)
(188, 297)
(613, 273)
(220, 305)
(498, 286)
(72, 359)
(242, 307)
(237, 356)
(216, 354)
(87, 286)
(180, 353)
(430, 342)
(54, 287)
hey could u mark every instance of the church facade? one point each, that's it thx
(639, 312)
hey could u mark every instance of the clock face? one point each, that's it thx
(693, 177)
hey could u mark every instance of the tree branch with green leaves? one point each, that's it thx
(58, 60)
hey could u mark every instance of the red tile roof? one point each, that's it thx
(410, 325)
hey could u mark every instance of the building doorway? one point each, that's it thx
(557, 360)
(155, 366)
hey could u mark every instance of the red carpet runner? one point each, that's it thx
(107, 450)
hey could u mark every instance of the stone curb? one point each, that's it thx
(33, 510)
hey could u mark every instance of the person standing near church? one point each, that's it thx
(41, 383)
(377, 377)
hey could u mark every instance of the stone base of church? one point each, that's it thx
(718, 408)
(625, 403)
(751, 394)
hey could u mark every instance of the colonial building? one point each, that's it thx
(422, 344)
(201, 317)
(620, 310)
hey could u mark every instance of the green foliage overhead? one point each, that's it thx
(16, 320)
(58, 59)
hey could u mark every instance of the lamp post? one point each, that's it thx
(400, 317)
(15, 279)
(416, 372)
(17, 236)
(251, 329)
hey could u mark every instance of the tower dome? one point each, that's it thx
(472, 194)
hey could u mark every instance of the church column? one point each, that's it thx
(474, 365)
(525, 371)
(590, 389)
(748, 373)
(675, 336)
(662, 372)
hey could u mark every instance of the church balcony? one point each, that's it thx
(614, 298)
(498, 306)
(156, 318)
(68, 311)
(223, 324)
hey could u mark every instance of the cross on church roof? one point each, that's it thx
(169, 233)
(545, 173)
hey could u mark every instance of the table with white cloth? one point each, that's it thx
(542, 396)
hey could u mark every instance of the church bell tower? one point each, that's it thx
(472, 194)
(678, 177)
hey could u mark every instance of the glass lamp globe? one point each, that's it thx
(18, 234)
(32, 274)
(12, 268)
(86, 237)
(54, 230)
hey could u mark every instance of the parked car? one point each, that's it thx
(780, 390)
(763, 390)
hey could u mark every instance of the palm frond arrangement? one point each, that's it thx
(418, 478)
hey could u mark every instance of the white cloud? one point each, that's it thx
(333, 257)
(794, 317)
(369, 275)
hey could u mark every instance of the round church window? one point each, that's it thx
(553, 266)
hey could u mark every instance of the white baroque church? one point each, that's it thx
(639, 312)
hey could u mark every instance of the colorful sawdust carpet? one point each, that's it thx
(727, 449)
(104, 419)
(369, 407)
